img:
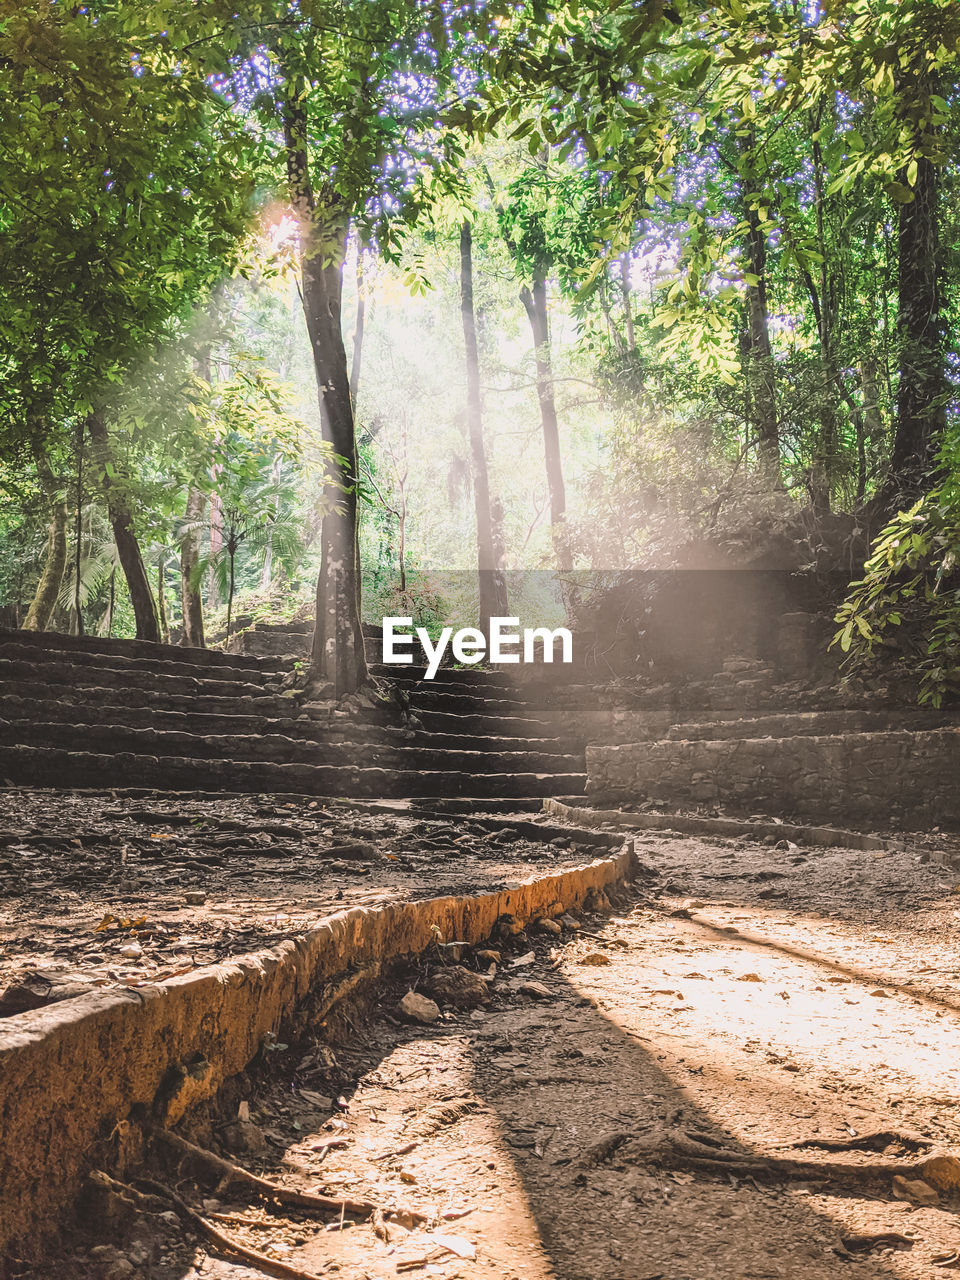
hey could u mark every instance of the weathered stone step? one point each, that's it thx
(424, 698)
(275, 748)
(293, 725)
(58, 642)
(91, 694)
(899, 776)
(64, 674)
(533, 681)
(518, 726)
(53, 767)
(82, 661)
(804, 723)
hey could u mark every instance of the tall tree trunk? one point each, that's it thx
(625, 291)
(162, 603)
(128, 548)
(78, 556)
(358, 329)
(45, 597)
(338, 659)
(760, 371)
(921, 412)
(108, 630)
(825, 452)
(493, 587)
(190, 596)
(872, 415)
(535, 304)
(216, 543)
(230, 590)
(869, 423)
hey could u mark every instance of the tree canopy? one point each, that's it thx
(713, 286)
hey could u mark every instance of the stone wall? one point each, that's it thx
(893, 777)
(73, 1074)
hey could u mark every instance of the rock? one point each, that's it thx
(131, 951)
(195, 897)
(489, 957)
(243, 1136)
(568, 922)
(915, 1190)
(353, 851)
(750, 977)
(138, 1253)
(595, 958)
(549, 926)
(535, 990)
(942, 1172)
(121, 1269)
(456, 986)
(418, 1008)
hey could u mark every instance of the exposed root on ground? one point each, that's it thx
(231, 1174)
(677, 1150)
(879, 1140)
(159, 1195)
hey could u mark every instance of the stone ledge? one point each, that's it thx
(903, 776)
(694, 825)
(71, 1074)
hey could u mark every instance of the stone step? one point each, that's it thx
(90, 694)
(902, 776)
(474, 701)
(295, 726)
(790, 724)
(83, 661)
(57, 642)
(54, 767)
(64, 674)
(276, 749)
(515, 726)
(533, 681)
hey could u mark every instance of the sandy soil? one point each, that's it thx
(763, 999)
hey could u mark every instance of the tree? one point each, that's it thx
(48, 588)
(493, 588)
(122, 203)
(523, 221)
(349, 97)
(257, 514)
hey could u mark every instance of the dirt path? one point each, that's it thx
(522, 1129)
(102, 890)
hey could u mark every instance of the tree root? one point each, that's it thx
(677, 1150)
(876, 1141)
(226, 1244)
(877, 1240)
(231, 1174)
(161, 1196)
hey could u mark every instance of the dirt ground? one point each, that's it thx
(756, 1002)
(106, 889)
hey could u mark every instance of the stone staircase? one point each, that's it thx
(86, 712)
(743, 741)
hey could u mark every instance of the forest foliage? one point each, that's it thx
(303, 302)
